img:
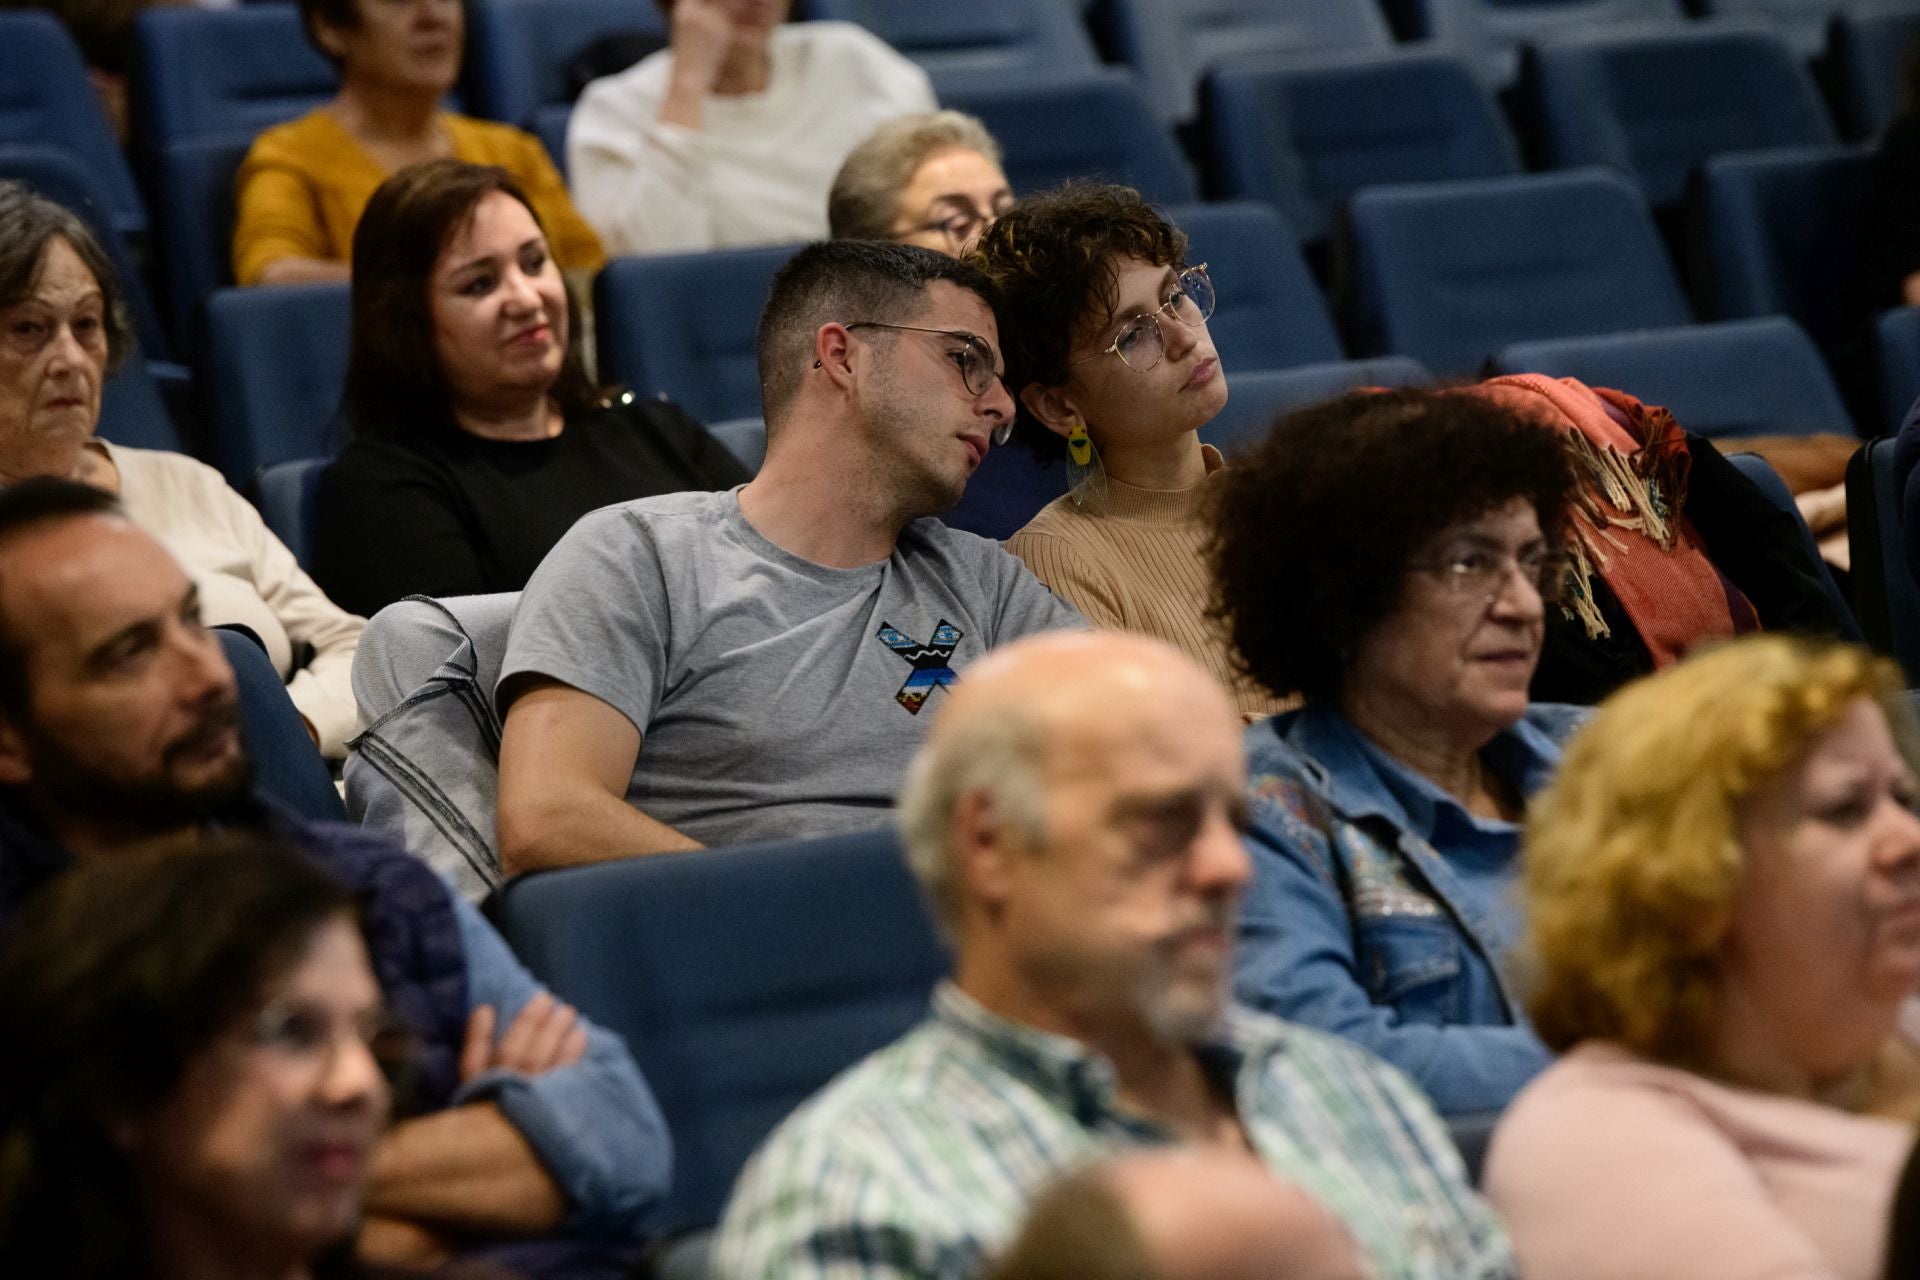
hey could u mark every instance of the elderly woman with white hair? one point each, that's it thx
(933, 180)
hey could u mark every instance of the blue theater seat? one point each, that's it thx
(549, 124)
(1092, 126)
(287, 766)
(1768, 481)
(521, 51)
(275, 359)
(1305, 136)
(745, 438)
(1897, 334)
(287, 491)
(47, 100)
(1269, 313)
(1801, 23)
(1656, 102)
(1867, 50)
(981, 42)
(1885, 597)
(1491, 33)
(132, 411)
(1781, 228)
(743, 980)
(1449, 273)
(222, 73)
(1255, 400)
(1736, 378)
(1007, 490)
(682, 325)
(196, 219)
(1173, 46)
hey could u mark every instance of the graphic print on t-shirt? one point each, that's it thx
(931, 669)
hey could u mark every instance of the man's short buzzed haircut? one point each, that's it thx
(24, 507)
(844, 281)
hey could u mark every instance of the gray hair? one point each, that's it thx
(1004, 756)
(865, 197)
(28, 224)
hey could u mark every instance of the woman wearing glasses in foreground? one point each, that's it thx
(478, 438)
(1105, 335)
(1390, 558)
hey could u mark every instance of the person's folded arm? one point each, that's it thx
(565, 761)
(1296, 958)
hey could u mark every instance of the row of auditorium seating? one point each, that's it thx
(1303, 137)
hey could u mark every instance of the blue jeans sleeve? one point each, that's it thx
(1297, 958)
(594, 1125)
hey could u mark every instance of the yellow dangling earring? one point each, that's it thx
(1080, 445)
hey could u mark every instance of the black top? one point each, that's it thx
(453, 514)
(1890, 236)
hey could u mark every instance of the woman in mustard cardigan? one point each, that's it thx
(302, 186)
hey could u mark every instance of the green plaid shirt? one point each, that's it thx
(920, 1160)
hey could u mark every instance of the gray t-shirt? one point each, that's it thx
(775, 698)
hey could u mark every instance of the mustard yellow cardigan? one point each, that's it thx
(303, 184)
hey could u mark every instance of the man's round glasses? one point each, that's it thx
(974, 359)
(1141, 344)
(1481, 573)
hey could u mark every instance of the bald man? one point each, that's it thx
(1178, 1213)
(1074, 817)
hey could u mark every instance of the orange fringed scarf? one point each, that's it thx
(1628, 523)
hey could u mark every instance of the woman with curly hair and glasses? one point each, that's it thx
(1723, 895)
(1389, 558)
(1104, 329)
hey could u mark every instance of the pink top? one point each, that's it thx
(1608, 1167)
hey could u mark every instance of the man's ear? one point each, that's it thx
(833, 352)
(983, 850)
(16, 766)
(1053, 406)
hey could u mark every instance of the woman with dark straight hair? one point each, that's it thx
(192, 1083)
(478, 437)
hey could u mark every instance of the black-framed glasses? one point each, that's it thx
(1482, 573)
(974, 359)
(1141, 344)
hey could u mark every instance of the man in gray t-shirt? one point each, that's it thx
(714, 668)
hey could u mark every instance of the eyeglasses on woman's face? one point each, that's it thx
(1140, 344)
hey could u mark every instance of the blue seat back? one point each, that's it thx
(1885, 598)
(1868, 51)
(275, 359)
(1897, 338)
(1268, 312)
(1007, 489)
(1305, 137)
(1490, 33)
(549, 124)
(1656, 103)
(61, 176)
(1256, 400)
(1449, 273)
(683, 325)
(132, 411)
(743, 980)
(223, 73)
(196, 218)
(286, 765)
(287, 491)
(1172, 46)
(982, 42)
(521, 51)
(1736, 378)
(1092, 126)
(1768, 481)
(745, 438)
(1782, 228)
(46, 99)
(1801, 23)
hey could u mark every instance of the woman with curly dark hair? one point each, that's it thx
(1390, 557)
(1104, 327)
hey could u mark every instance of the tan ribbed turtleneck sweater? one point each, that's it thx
(1135, 561)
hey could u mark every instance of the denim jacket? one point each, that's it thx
(1356, 924)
